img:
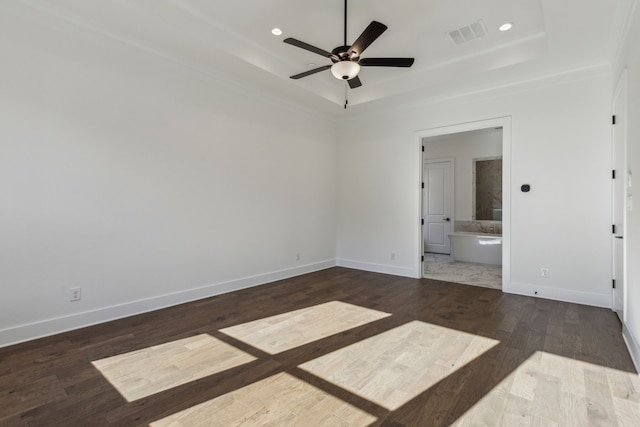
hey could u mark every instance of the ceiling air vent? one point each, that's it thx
(468, 32)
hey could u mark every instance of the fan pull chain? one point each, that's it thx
(346, 93)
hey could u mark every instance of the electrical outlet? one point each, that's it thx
(75, 294)
(544, 272)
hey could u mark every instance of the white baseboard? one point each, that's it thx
(31, 331)
(377, 268)
(632, 345)
(565, 295)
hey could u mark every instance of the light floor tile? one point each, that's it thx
(280, 400)
(395, 366)
(442, 267)
(148, 371)
(283, 332)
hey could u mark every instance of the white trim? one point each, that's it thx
(621, 37)
(565, 295)
(30, 331)
(505, 124)
(378, 268)
(632, 345)
(422, 97)
(621, 133)
(50, 15)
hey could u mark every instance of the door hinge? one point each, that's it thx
(422, 259)
(613, 283)
(423, 148)
(613, 228)
(613, 120)
(423, 185)
(613, 174)
(422, 221)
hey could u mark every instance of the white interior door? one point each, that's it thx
(437, 206)
(619, 196)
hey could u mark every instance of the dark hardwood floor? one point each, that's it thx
(52, 382)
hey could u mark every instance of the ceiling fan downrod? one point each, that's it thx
(345, 23)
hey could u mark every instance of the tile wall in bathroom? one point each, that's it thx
(490, 227)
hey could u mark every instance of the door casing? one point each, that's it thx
(505, 124)
(619, 195)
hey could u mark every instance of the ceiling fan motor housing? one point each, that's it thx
(341, 53)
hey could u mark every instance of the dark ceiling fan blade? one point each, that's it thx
(354, 82)
(386, 62)
(308, 73)
(368, 36)
(307, 46)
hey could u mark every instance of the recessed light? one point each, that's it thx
(311, 64)
(506, 26)
(276, 31)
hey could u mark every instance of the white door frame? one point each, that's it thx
(505, 124)
(619, 207)
(451, 187)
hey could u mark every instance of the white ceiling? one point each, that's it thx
(233, 39)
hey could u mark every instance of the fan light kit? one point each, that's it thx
(345, 70)
(346, 59)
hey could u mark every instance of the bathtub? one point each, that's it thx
(480, 248)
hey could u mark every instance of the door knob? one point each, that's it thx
(447, 219)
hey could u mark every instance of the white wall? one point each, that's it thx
(145, 183)
(560, 145)
(463, 148)
(629, 58)
(148, 184)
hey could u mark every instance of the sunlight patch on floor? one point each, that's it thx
(154, 369)
(283, 332)
(280, 400)
(395, 366)
(548, 389)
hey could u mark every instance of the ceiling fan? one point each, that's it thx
(346, 59)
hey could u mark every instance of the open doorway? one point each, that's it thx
(464, 233)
